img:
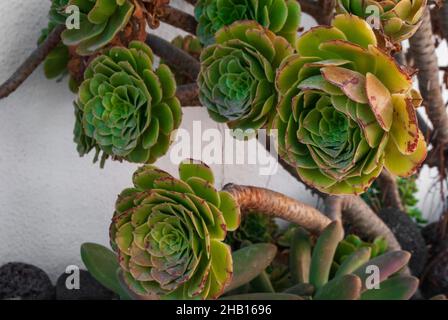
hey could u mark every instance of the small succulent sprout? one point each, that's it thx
(236, 81)
(169, 233)
(280, 16)
(397, 19)
(346, 110)
(124, 108)
(56, 62)
(100, 21)
(311, 269)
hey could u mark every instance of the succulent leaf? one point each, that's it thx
(249, 262)
(399, 19)
(280, 16)
(100, 22)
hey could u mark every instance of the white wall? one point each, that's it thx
(51, 200)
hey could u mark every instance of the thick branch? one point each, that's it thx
(389, 191)
(360, 216)
(179, 19)
(186, 64)
(443, 18)
(260, 200)
(425, 59)
(188, 94)
(31, 63)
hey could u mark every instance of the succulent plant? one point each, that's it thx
(254, 228)
(126, 109)
(100, 22)
(169, 233)
(352, 243)
(399, 19)
(236, 81)
(346, 110)
(280, 16)
(310, 268)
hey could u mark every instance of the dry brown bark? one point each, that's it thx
(31, 63)
(443, 19)
(422, 48)
(188, 94)
(179, 19)
(264, 201)
(184, 63)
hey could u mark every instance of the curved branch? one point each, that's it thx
(31, 63)
(179, 19)
(362, 217)
(264, 201)
(186, 64)
(423, 51)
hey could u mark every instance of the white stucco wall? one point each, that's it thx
(51, 200)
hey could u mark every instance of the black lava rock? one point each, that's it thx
(89, 289)
(24, 281)
(408, 235)
(435, 279)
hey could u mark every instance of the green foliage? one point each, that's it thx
(103, 266)
(254, 228)
(100, 22)
(399, 19)
(169, 234)
(236, 81)
(124, 108)
(349, 281)
(280, 16)
(346, 110)
(408, 190)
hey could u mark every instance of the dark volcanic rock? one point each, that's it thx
(89, 289)
(24, 281)
(435, 279)
(408, 235)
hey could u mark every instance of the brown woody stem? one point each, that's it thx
(179, 19)
(423, 51)
(186, 64)
(31, 63)
(188, 94)
(264, 201)
(355, 211)
(443, 18)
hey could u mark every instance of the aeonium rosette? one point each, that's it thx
(169, 233)
(346, 110)
(236, 81)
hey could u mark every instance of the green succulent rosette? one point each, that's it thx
(169, 233)
(236, 81)
(124, 108)
(346, 110)
(399, 19)
(280, 16)
(100, 22)
(57, 11)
